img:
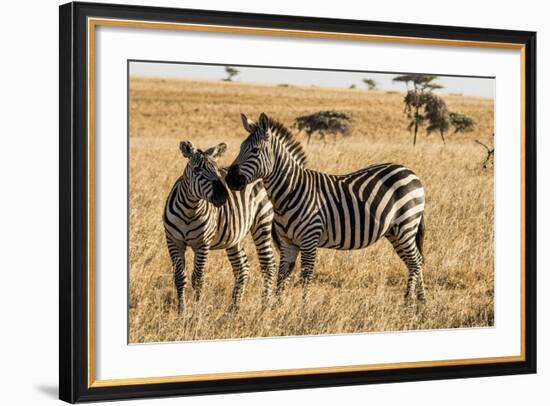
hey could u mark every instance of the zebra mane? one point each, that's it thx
(287, 138)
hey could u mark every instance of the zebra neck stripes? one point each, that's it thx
(191, 207)
(286, 181)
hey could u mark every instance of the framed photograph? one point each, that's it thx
(258, 202)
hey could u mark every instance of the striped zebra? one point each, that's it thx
(201, 214)
(316, 210)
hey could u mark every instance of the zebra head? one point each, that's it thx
(255, 159)
(202, 174)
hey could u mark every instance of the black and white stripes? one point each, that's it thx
(316, 210)
(202, 214)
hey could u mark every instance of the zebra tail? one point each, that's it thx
(420, 236)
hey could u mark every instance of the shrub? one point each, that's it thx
(324, 122)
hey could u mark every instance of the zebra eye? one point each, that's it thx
(196, 170)
(255, 150)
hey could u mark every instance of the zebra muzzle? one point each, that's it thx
(234, 179)
(219, 193)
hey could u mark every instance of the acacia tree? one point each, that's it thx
(324, 122)
(423, 107)
(371, 83)
(437, 115)
(417, 98)
(230, 73)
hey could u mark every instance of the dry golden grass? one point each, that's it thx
(354, 291)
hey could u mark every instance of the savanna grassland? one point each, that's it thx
(353, 291)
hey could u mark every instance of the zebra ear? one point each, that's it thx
(216, 151)
(187, 149)
(263, 122)
(247, 123)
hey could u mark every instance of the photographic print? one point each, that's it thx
(272, 201)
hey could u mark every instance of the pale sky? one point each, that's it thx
(470, 86)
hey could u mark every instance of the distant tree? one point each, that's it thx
(371, 83)
(352, 86)
(416, 100)
(461, 122)
(324, 122)
(420, 82)
(437, 115)
(230, 71)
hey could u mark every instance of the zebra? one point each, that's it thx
(201, 214)
(317, 210)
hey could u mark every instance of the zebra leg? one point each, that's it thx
(177, 255)
(409, 253)
(239, 262)
(420, 292)
(289, 253)
(201, 255)
(262, 240)
(308, 249)
(308, 266)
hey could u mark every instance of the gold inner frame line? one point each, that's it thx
(94, 22)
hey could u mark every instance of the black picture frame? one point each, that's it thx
(73, 256)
